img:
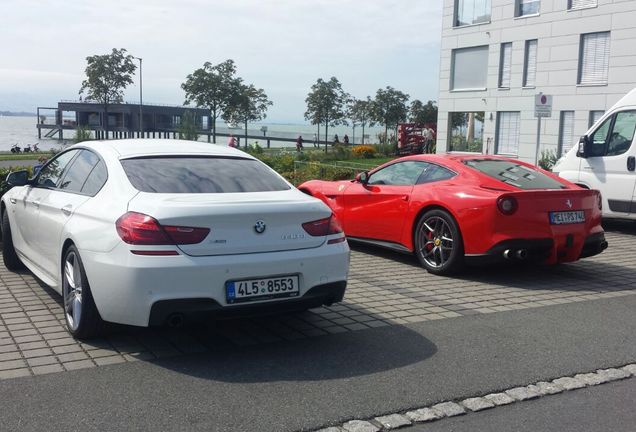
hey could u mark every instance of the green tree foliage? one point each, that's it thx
(107, 76)
(389, 108)
(420, 113)
(82, 134)
(212, 87)
(360, 113)
(326, 104)
(188, 129)
(248, 104)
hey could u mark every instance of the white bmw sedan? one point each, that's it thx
(143, 232)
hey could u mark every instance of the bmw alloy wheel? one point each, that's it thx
(72, 291)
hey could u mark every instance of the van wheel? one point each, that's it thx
(82, 318)
(9, 256)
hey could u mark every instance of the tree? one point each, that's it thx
(212, 87)
(106, 78)
(188, 127)
(420, 113)
(248, 104)
(360, 113)
(326, 104)
(389, 108)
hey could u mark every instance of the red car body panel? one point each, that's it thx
(390, 213)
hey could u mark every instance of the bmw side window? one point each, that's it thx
(398, 174)
(50, 175)
(95, 180)
(78, 171)
(620, 140)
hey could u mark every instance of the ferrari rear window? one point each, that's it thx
(177, 174)
(514, 174)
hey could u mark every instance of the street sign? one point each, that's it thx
(542, 105)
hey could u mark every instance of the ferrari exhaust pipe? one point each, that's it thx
(522, 254)
(507, 254)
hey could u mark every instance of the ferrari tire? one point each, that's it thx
(438, 243)
(9, 256)
(82, 318)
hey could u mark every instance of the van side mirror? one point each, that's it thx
(584, 147)
(18, 178)
(362, 177)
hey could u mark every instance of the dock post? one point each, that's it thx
(209, 138)
(61, 134)
(39, 133)
(268, 142)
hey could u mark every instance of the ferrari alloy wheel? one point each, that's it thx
(438, 243)
(82, 318)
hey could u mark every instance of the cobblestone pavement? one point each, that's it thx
(384, 289)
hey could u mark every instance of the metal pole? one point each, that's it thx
(536, 155)
(141, 98)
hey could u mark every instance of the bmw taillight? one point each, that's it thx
(323, 227)
(140, 229)
(507, 205)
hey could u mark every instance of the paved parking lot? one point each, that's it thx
(385, 289)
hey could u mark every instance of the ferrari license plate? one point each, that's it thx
(567, 217)
(262, 289)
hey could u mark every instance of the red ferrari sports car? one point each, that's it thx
(455, 209)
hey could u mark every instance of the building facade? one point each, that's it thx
(496, 55)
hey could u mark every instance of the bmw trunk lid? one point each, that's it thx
(239, 223)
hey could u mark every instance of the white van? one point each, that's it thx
(605, 159)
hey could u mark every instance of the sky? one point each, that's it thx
(282, 46)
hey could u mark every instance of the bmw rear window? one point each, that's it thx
(175, 174)
(514, 174)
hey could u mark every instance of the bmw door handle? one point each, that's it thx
(67, 209)
(13, 200)
(36, 203)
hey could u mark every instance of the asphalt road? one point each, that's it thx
(609, 407)
(305, 384)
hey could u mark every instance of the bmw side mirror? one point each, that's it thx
(18, 178)
(362, 177)
(584, 147)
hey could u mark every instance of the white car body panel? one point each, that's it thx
(608, 174)
(125, 285)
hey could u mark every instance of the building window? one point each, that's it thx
(527, 7)
(466, 130)
(469, 12)
(507, 133)
(594, 58)
(505, 63)
(530, 64)
(566, 132)
(469, 68)
(594, 117)
(581, 4)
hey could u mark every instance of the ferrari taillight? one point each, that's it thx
(323, 227)
(507, 205)
(140, 229)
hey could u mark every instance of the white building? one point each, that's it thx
(496, 55)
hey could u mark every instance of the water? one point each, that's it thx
(22, 131)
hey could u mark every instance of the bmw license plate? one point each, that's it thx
(261, 289)
(567, 217)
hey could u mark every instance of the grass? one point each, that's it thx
(23, 156)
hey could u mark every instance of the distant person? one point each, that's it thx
(231, 141)
(299, 143)
(336, 140)
(345, 139)
(315, 140)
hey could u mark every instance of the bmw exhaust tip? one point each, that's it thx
(522, 254)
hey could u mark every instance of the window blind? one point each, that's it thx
(470, 68)
(566, 132)
(530, 65)
(508, 133)
(581, 4)
(528, 7)
(594, 58)
(505, 65)
(595, 116)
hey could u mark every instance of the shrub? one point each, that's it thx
(385, 149)
(548, 159)
(82, 133)
(364, 151)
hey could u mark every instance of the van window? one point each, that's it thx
(615, 135)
